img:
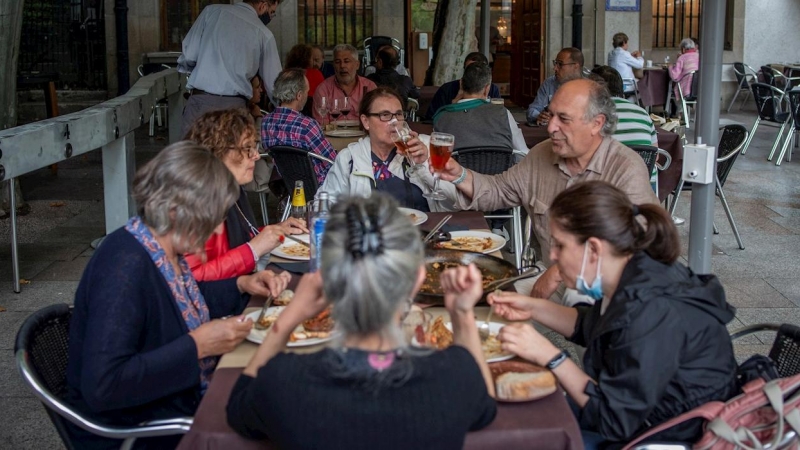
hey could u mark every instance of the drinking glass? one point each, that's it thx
(322, 109)
(335, 112)
(441, 148)
(345, 107)
(401, 135)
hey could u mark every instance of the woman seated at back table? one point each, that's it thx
(373, 163)
(369, 389)
(232, 138)
(687, 61)
(656, 342)
(144, 335)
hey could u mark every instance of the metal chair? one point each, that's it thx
(41, 351)
(161, 105)
(634, 92)
(371, 46)
(412, 106)
(690, 98)
(731, 141)
(648, 153)
(768, 103)
(743, 81)
(296, 164)
(776, 78)
(493, 161)
(794, 112)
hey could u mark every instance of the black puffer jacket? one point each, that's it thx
(660, 349)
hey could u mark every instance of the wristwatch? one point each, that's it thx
(557, 360)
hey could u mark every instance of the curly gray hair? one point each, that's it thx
(288, 84)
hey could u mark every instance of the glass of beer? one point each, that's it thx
(401, 135)
(441, 148)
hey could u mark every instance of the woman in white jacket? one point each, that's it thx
(373, 163)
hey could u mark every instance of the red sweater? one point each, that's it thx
(221, 261)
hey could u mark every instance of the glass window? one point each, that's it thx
(674, 20)
(332, 22)
(177, 17)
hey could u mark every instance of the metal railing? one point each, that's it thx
(109, 127)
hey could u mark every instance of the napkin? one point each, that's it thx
(294, 267)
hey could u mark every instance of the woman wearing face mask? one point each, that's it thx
(656, 342)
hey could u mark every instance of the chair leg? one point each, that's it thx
(516, 234)
(675, 198)
(733, 100)
(775, 144)
(287, 208)
(786, 146)
(262, 197)
(729, 214)
(746, 96)
(153, 122)
(750, 137)
(714, 228)
(12, 205)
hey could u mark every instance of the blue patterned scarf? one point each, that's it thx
(184, 289)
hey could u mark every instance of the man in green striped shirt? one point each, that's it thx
(634, 125)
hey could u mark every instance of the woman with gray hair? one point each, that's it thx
(687, 61)
(144, 335)
(369, 390)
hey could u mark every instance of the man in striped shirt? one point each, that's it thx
(634, 125)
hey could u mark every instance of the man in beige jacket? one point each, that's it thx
(580, 148)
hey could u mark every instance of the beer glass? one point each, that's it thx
(441, 148)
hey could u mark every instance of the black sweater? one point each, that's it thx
(298, 403)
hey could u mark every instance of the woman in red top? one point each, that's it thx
(232, 137)
(300, 57)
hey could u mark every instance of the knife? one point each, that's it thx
(289, 236)
(437, 227)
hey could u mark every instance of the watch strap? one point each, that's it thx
(557, 360)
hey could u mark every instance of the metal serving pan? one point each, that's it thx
(436, 260)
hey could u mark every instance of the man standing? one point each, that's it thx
(288, 126)
(580, 148)
(449, 92)
(345, 82)
(567, 66)
(475, 122)
(225, 48)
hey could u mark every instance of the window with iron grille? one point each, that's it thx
(332, 22)
(177, 17)
(674, 20)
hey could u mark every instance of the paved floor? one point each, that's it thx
(67, 214)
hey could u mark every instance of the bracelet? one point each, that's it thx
(560, 358)
(460, 178)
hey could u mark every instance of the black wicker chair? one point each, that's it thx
(648, 153)
(768, 102)
(743, 80)
(785, 351)
(296, 164)
(731, 140)
(794, 127)
(41, 351)
(493, 161)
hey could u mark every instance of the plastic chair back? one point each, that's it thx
(294, 164)
(794, 107)
(741, 74)
(648, 153)
(785, 350)
(731, 140)
(485, 160)
(768, 100)
(374, 43)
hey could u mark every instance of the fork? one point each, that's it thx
(484, 331)
(267, 304)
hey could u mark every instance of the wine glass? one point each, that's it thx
(441, 148)
(322, 109)
(335, 112)
(401, 135)
(345, 107)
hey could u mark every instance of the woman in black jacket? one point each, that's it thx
(656, 342)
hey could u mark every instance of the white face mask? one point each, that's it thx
(594, 291)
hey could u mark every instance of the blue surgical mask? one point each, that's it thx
(596, 290)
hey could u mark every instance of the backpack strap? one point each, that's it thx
(706, 411)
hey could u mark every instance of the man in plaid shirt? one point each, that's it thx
(288, 126)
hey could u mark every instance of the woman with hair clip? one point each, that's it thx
(656, 342)
(369, 389)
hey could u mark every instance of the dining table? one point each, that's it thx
(654, 87)
(548, 422)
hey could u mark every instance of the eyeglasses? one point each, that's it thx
(386, 116)
(251, 151)
(559, 64)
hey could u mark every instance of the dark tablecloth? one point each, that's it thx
(653, 87)
(546, 423)
(671, 142)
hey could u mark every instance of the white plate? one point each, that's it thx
(346, 123)
(258, 336)
(494, 328)
(497, 241)
(418, 218)
(344, 133)
(281, 250)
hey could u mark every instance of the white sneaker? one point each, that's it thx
(678, 221)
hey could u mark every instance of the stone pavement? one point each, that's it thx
(67, 215)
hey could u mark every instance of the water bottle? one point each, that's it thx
(317, 229)
(299, 207)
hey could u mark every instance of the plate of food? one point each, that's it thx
(346, 123)
(473, 241)
(417, 217)
(440, 335)
(521, 381)
(292, 250)
(345, 132)
(311, 332)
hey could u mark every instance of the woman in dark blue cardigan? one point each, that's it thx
(144, 335)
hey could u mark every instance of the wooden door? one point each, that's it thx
(527, 50)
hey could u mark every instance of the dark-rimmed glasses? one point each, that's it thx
(386, 116)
